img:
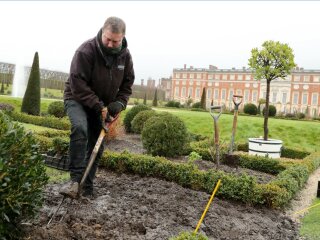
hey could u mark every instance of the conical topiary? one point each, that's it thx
(31, 99)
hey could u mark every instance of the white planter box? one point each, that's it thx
(260, 147)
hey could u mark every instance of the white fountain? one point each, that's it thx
(19, 81)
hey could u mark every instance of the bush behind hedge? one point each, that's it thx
(164, 135)
(131, 114)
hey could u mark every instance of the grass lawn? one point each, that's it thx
(311, 222)
(304, 135)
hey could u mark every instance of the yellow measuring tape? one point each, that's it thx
(306, 209)
(208, 205)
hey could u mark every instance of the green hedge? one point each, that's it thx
(276, 194)
(47, 121)
(232, 186)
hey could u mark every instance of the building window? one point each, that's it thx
(254, 96)
(183, 92)
(209, 93)
(230, 95)
(199, 75)
(210, 76)
(224, 77)
(295, 98)
(314, 98)
(248, 77)
(217, 76)
(177, 75)
(306, 79)
(240, 76)
(176, 90)
(304, 98)
(190, 82)
(296, 78)
(184, 75)
(197, 92)
(274, 97)
(223, 94)
(239, 92)
(246, 95)
(191, 75)
(184, 82)
(264, 95)
(190, 92)
(316, 78)
(216, 93)
(232, 77)
(198, 83)
(284, 98)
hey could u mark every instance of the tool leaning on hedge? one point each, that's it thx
(76, 191)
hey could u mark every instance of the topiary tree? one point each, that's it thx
(272, 111)
(155, 99)
(274, 60)
(139, 120)
(31, 99)
(22, 177)
(250, 109)
(56, 109)
(2, 88)
(164, 135)
(145, 99)
(196, 105)
(203, 99)
(131, 114)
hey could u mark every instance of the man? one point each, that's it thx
(101, 74)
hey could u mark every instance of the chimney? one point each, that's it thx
(191, 67)
(142, 82)
(185, 66)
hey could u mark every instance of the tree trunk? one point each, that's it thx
(266, 113)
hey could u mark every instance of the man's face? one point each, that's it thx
(110, 39)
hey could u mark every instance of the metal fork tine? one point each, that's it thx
(55, 213)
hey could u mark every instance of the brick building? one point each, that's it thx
(298, 92)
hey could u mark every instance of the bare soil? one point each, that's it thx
(132, 207)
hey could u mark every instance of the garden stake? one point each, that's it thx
(103, 133)
(237, 100)
(216, 130)
(208, 205)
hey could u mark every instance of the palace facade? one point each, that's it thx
(298, 92)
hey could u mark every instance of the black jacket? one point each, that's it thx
(96, 79)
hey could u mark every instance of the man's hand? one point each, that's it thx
(114, 108)
(104, 113)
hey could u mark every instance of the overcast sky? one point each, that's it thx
(161, 35)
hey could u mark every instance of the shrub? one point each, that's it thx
(164, 135)
(290, 115)
(56, 109)
(197, 105)
(272, 111)
(173, 103)
(139, 120)
(22, 177)
(250, 109)
(60, 145)
(131, 114)
(6, 107)
(189, 236)
(301, 115)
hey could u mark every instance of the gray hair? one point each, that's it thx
(115, 25)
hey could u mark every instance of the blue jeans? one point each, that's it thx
(85, 130)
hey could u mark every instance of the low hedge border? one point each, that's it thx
(275, 194)
(46, 121)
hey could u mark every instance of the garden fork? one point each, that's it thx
(237, 100)
(215, 116)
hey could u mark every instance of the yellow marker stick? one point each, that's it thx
(306, 208)
(208, 205)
